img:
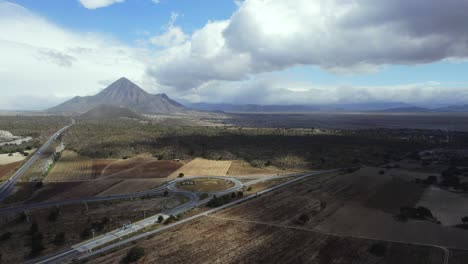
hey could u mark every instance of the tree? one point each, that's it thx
(134, 254)
(54, 214)
(303, 219)
(465, 220)
(5, 236)
(166, 193)
(34, 228)
(160, 219)
(378, 249)
(59, 239)
(181, 175)
(36, 243)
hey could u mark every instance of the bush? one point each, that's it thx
(170, 219)
(36, 243)
(203, 196)
(181, 175)
(59, 239)
(34, 228)
(378, 249)
(249, 189)
(160, 219)
(5, 236)
(54, 214)
(218, 201)
(303, 219)
(134, 254)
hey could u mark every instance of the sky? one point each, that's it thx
(241, 52)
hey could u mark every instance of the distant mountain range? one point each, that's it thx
(122, 93)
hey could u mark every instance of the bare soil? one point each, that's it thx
(209, 240)
(8, 169)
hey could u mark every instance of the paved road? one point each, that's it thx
(114, 238)
(7, 186)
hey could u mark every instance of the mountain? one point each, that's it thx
(110, 111)
(453, 108)
(410, 109)
(123, 93)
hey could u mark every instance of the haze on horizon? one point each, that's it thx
(242, 52)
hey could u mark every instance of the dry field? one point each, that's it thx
(206, 185)
(361, 204)
(8, 169)
(204, 167)
(140, 168)
(5, 159)
(214, 240)
(72, 220)
(70, 190)
(131, 186)
(71, 167)
(240, 168)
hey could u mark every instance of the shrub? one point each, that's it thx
(378, 249)
(59, 239)
(5, 236)
(160, 219)
(34, 228)
(181, 175)
(134, 254)
(303, 219)
(36, 243)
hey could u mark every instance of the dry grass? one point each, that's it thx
(213, 240)
(206, 185)
(71, 167)
(5, 159)
(240, 167)
(203, 167)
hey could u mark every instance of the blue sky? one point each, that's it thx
(252, 51)
(127, 20)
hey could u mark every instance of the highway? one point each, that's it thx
(7, 186)
(119, 236)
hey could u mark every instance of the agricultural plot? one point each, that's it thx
(8, 169)
(140, 168)
(204, 167)
(131, 186)
(239, 168)
(71, 167)
(226, 241)
(71, 190)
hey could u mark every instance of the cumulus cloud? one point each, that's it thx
(44, 60)
(337, 35)
(94, 4)
(173, 36)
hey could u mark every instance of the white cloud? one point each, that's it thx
(337, 35)
(94, 4)
(173, 36)
(274, 90)
(41, 60)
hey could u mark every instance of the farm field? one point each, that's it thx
(240, 167)
(71, 167)
(140, 168)
(205, 185)
(72, 220)
(203, 167)
(6, 159)
(70, 190)
(7, 169)
(131, 186)
(228, 241)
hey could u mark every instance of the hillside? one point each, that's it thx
(109, 112)
(123, 93)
